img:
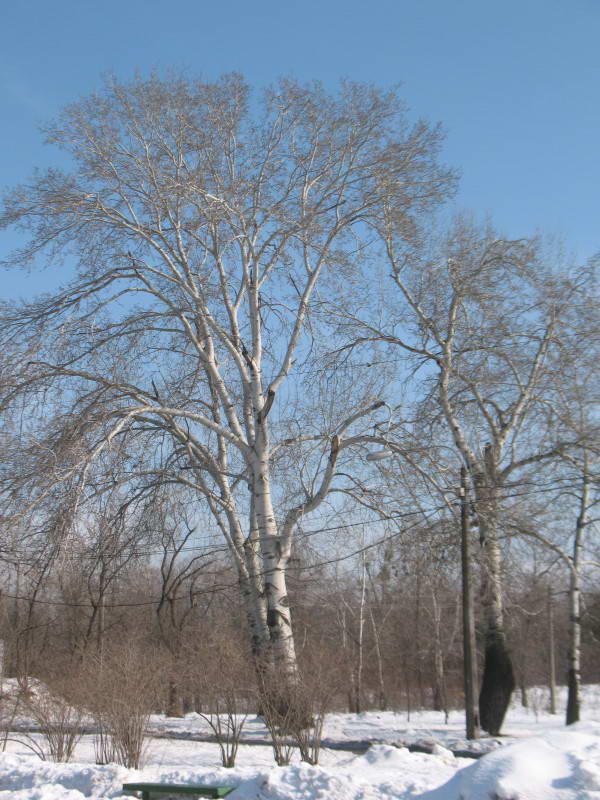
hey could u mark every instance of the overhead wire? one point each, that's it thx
(224, 587)
(226, 548)
(423, 514)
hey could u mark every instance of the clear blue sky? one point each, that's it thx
(515, 82)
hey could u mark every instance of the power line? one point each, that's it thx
(224, 587)
(226, 549)
(424, 514)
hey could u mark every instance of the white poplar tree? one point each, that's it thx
(193, 230)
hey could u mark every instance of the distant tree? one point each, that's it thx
(572, 480)
(481, 317)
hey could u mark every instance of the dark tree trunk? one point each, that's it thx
(174, 700)
(498, 680)
(437, 698)
(573, 698)
(496, 687)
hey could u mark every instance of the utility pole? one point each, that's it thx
(469, 652)
(16, 648)
(552, 661)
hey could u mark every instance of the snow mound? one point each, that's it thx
(384, 773)
(383, 756)
(25, 778)
(562, 765)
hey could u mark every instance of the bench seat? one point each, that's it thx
(148, 789)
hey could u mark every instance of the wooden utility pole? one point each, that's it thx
(551, 648)
(469, 652)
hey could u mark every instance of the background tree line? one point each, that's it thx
(387, 632)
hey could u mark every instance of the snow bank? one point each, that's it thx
(28, 778)
(384, 772)
(561, 765)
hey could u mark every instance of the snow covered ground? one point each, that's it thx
(537, 759)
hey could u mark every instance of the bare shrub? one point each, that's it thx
(122, 692)
(7, 714)
(104, 746)
(10, 705)
(226, 692)
(56, 709)
(295, 711)
(59, 719)
(314, 694)
(278, 717)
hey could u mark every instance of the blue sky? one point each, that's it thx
(515, 83)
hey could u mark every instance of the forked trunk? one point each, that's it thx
(251, 589)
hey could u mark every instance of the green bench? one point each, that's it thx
(177, 788)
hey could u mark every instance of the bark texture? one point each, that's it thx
(497, 686)
(573, 701)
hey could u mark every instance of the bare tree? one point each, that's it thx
(575, 477)
(480, 316)
(198, 223)
(579, 394)
(105, 545)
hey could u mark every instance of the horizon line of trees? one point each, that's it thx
(387, 632)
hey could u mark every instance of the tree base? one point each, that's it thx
(496, 687)
(573, 698)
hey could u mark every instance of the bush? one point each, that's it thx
(277, 713)
(56, 710)
(226, 692)
(59, 721)
(122, 689)
(294, 712)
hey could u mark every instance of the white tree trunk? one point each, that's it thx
(574, 656)
(382, 699)
(358, 668)
(274, 562)
(439, 694)
(551, 653)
